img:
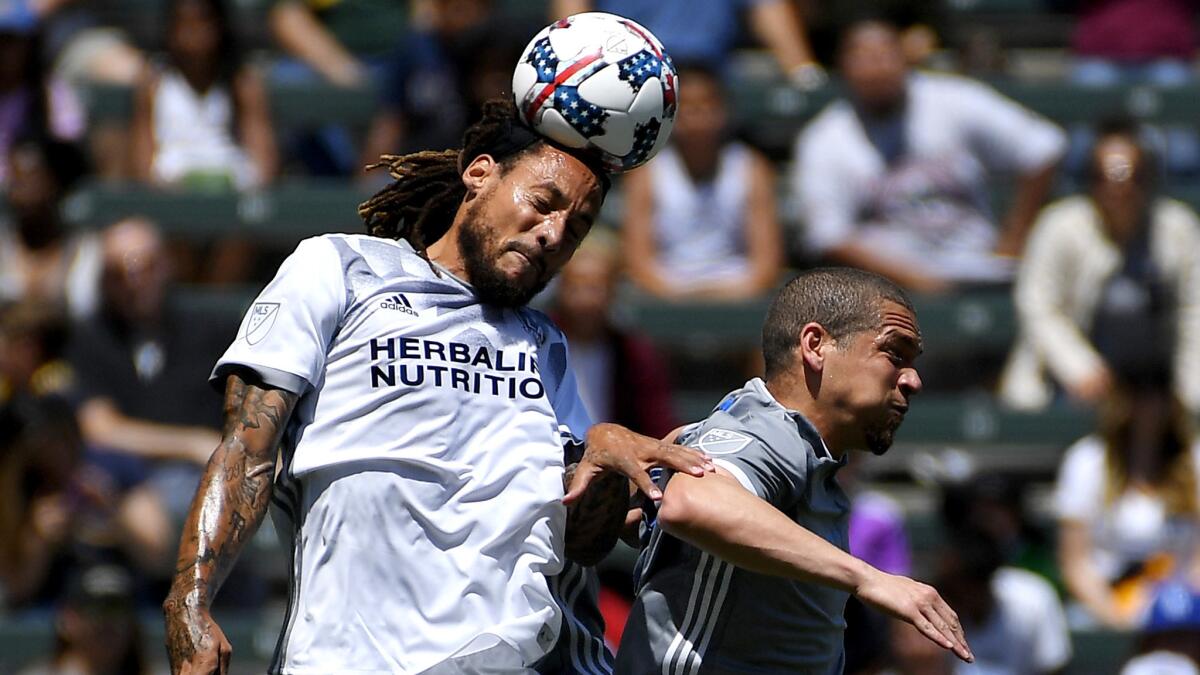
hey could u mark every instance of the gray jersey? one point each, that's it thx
(698, 614)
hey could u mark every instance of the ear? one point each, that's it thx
(813, 342)
(477, 173)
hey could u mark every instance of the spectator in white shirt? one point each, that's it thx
(1110, 281)
(1128, 506)
(894, 178)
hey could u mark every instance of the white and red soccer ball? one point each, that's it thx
(601, 83)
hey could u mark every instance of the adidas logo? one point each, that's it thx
(399, 303)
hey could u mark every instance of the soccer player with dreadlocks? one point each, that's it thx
(421, 412)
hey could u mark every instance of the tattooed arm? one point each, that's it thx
(595, 521)
(598, 487)
(227, 509)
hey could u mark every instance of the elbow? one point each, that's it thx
(679, 511)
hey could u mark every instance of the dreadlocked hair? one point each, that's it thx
(427, 189)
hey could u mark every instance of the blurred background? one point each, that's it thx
(1027, 168)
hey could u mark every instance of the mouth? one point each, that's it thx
(535, 264)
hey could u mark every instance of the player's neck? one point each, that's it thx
(445, 252)
(794, 395)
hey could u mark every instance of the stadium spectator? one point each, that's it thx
(341, 41)
(706, 32)
(994, 504)
(96, 630)
(1128, 505)
(344, 43)
(61, 507)
(1014, 617)
(40, 259)
(440, 75)
(142, 364)
(1159, 52)
(32, 338)
(894, 178)
(911, 654)
(31, 102)
(620, 376)
(700, 220)
(1170, 642)
(1110, 281)
(201, 116)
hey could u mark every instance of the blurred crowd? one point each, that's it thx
(107, 415)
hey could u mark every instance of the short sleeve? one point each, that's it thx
(286, 333)
(774, 474)
(1079, 490)
(563, 390)
(1008, 135)
(822, 185)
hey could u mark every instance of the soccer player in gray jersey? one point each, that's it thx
(420, 413)
(748, 571)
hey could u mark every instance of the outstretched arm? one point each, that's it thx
(229, 505)
(720, 516)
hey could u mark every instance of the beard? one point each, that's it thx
(480, 249)
(880, 434)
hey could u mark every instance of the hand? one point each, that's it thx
(614, 448)
(1092, 388)
(919, 605)
(50, 518)
(195, 644)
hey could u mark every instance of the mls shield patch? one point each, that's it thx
(722, 442)
(262, 318)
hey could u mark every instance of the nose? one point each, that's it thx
(550, 232)
(910, 382)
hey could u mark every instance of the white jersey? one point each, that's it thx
(423, 464)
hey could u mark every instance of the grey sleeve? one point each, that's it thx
(775, 471)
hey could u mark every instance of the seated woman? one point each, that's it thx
(200, 115)
(700, 220)
(1107, 272)
(1128, 503)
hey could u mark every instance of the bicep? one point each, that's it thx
(256, 415)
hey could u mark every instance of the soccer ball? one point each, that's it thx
(601, 83)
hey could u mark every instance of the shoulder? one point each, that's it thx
(542, 329)
(1176, 217)
(1084, 460)
(946, 86)
(1024, 593)
(829, 127)
(1068, 215)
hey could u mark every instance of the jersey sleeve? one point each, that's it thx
(777, 474)
(285, 336)
(563, 390)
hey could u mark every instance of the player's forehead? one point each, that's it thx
(898, 325)
(560, 175)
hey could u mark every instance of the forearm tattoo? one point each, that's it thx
(594, 522)
(229, 505)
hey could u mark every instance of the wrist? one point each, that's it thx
(861, 575)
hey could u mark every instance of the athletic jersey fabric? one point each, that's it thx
(581, 649)
(423, 463)
(698, 614)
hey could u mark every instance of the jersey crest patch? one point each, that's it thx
(262, 318)
(722, 441)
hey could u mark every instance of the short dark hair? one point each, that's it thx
(845, 301)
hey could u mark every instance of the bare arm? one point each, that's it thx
(764, 240)
(300, 34)
(563, 8)
(720, 516)
(909, 276)
(142, 127)
(779, 28)
(384, 137)
(254, 124)
(103, 424)
(637, 237)
(1032, 190)
(229, 505)
(1082, 578)
(595, 521)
